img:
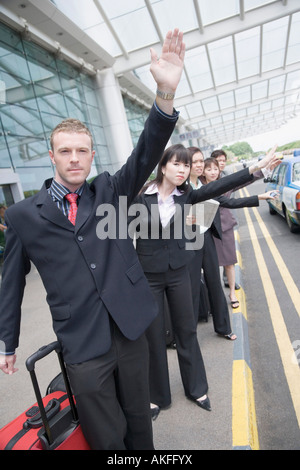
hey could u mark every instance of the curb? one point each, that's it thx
(244, 426)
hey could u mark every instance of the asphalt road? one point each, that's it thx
(271, 256)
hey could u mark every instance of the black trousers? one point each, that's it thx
(112, 396)
(207, 259)
(176, 285)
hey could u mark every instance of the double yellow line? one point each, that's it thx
(287, 353)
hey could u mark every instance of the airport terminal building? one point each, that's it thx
(90, 59)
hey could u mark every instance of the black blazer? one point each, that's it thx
(85, 278)
(230, 203)
(166, 251)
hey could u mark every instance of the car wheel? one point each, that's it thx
(294, 228)
(271, 210)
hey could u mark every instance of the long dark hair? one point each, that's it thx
(182, 155)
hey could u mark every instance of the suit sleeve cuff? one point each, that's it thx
(174, 116)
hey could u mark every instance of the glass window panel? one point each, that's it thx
(144, 74)
(260, 90)
(28, 151)
(269, 116)
(5, 161)
(278, 103)
(210, 105)
(18, 120)
(216, 120)
(135, 31)
(274, 41)
(183, 112)
(119, 8)
(132, 23)
(17, 91)
(32, 179)
(226, 100)
(99, 138)
(194, 109)
(183, 88)
(47, 86)
(41, 62)
(8, 85)
(94, 115)
(84, 17)
(291, 99)
(51, 101)
(247, 46)
(293, 80)
(265, 106)
(50, 121)
(102, 35)
(172, 13)
(222, 60)
(252, 110)
(276, 85)
(76, 109)
(293, 54)
(251, 4)
(242, 95)
(197, 67)
(15, 65)
(248, 122)
(66, 71)
(240, 113)
(89, 95)
(203, 124)
(217, 10)
(228, 117)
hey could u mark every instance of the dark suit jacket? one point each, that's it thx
(224, 217)
(86, 278)
(167, 251)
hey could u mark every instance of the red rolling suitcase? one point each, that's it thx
(51, 423)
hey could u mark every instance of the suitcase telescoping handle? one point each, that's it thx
(30, 364)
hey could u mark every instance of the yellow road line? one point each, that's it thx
(244, 429)
(291, 367)
(285, 274)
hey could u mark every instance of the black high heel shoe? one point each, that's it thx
(205, 404)
(155, 412)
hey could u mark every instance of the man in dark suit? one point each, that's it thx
(97, 293)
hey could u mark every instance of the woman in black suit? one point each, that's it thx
(163, 247)
(207, 257)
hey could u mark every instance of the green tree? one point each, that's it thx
(240, 148)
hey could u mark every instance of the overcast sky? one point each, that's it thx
(289, 132)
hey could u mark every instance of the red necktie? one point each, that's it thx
(72, 198)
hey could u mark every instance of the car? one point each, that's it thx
(286, 179)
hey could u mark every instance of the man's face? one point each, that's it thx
(72, 156)
(222, 162)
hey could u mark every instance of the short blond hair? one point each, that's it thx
(71, 125)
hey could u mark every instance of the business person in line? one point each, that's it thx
(208, 258)
(165, 260)
(97, 293)
(226, 246)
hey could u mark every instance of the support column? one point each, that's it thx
(114, 118)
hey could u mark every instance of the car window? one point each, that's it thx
(281, 174)
(296, 172)
(274, 176)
